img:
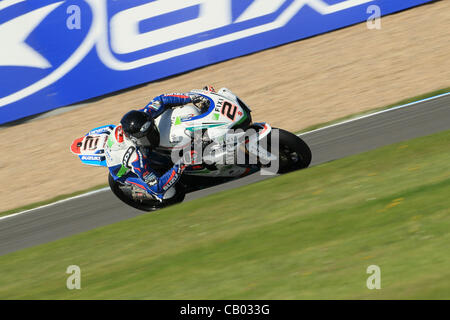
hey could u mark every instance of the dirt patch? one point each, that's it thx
(293, 86)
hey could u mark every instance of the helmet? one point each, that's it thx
(139, 127)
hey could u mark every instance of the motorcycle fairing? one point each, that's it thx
(91, 147)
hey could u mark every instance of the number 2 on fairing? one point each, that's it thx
(229, 110)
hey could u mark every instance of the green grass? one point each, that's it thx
(306, 235)
(316, 126)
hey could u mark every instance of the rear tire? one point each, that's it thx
(146, 205)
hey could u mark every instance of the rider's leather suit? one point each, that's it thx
(132, 165)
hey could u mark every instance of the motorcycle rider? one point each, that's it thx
(128, 143)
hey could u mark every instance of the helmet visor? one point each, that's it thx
(145, 129)
(147, 136)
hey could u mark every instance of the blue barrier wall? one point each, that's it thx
(54, 53)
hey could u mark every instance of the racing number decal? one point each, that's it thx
(90, 143)
(229, 110)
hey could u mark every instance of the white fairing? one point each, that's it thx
(172, 135)
(177, 125)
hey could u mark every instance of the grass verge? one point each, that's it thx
(306, 235)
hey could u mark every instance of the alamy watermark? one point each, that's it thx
(373, 281)
(231, 147)
(74, 19)
(74, 280)
(374, 20)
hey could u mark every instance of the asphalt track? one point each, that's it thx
(84, 213)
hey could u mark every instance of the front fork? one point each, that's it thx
(257, 146)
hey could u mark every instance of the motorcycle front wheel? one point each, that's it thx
(145, 205)
(293, 153)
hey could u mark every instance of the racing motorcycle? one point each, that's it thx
(220, 127)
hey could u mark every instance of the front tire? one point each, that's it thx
(293, 153)
(146, 205)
